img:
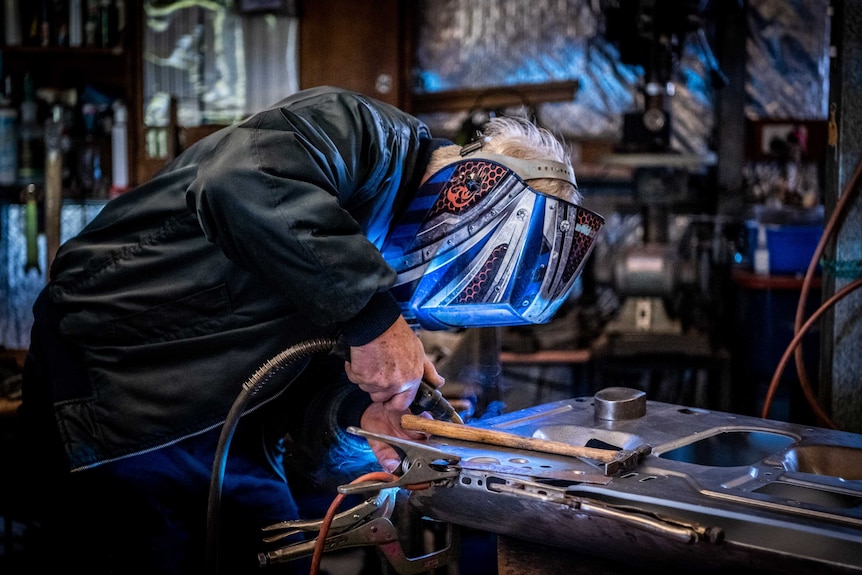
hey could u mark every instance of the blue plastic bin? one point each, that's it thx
(790, 247)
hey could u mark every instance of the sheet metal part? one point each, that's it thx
(719, 491)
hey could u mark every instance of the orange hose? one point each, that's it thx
(795, 343)
(837, 213)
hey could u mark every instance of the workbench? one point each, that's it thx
(717, 492)
(518, 557)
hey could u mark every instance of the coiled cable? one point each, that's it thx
(249, 388)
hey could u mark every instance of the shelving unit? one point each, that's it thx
(114, 71)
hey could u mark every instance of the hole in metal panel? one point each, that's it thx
(730, 449)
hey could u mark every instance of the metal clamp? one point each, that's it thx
(381, 504)
(381, 532)
(367, 523)
(421, 464)
(347, 529)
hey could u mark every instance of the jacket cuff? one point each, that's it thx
(377, 316)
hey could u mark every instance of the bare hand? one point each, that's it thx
(391, 367)
(378, 419)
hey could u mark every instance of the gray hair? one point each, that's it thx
(518, 138)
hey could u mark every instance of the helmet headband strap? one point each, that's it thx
(525, 169)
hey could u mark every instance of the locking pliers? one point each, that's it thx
(368, 523)
(421, 465)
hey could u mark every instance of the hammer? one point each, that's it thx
(613, 461)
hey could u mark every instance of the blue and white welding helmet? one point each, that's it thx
(478, 247)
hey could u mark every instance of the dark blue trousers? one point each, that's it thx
(146, 513)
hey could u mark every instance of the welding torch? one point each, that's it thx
(429, 398)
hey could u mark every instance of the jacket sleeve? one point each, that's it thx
(296, 193)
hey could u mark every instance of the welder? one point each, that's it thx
(297, 223)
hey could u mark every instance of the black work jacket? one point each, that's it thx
(258, 237)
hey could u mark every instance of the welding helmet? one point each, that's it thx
(478, 247)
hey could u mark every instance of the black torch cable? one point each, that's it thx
(249, 388)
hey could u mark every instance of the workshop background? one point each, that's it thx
(717, 138)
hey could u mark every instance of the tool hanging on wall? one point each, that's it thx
(30, 198)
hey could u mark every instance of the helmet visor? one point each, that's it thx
(478, 247)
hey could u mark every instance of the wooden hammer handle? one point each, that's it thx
(501, 438)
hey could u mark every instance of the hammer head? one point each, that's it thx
(626, 459)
